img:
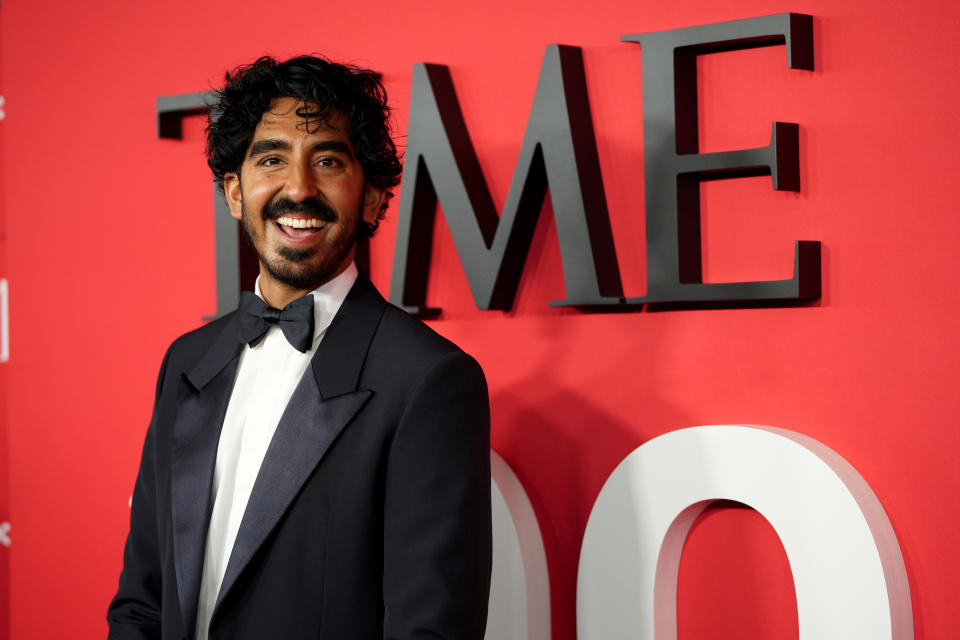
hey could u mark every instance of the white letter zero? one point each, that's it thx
(848, 571)
(520, 588)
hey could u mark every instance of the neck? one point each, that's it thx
(279, 294)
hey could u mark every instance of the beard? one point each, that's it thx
(309, 267)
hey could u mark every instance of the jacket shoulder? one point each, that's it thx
(398, 324)
(408, 348)
(185, 351)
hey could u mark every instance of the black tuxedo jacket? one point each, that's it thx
(370, 516)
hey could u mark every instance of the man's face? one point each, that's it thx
(301, 196)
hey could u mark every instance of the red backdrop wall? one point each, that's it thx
(107, 243)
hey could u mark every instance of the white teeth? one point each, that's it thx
(299, 223)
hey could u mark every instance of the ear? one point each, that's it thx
(372, 201)
(233, 194)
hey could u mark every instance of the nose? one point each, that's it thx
(300, 182)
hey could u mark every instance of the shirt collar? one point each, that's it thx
(327, 298)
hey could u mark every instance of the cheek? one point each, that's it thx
(257, 196)
(261, 187)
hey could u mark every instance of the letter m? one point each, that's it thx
(558, 149)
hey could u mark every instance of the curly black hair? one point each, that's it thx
(355, 92)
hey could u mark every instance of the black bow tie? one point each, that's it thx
(295, 320)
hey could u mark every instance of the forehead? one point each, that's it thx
(293, 116)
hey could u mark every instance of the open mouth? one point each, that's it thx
(299, 228)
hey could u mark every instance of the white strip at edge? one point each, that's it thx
(4, 321)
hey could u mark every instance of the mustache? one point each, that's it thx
(317, 208)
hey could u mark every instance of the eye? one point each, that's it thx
(329, 162)
(269, 161)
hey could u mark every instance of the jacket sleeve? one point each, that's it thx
(437, 530)
(134, 613)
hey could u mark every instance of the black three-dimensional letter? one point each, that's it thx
(674, 167)
(236, 264)
(558, 149)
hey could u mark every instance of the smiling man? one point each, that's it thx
(317, 463)
(298, 154)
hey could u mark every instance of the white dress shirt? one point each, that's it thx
(266, 378)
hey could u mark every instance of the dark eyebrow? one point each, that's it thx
(261, 147)
(337, 146)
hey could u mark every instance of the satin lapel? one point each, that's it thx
(348, 339)
(201, 405)
(304, 434)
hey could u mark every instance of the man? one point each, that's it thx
(326, 481)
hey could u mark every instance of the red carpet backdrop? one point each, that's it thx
(108, 252)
